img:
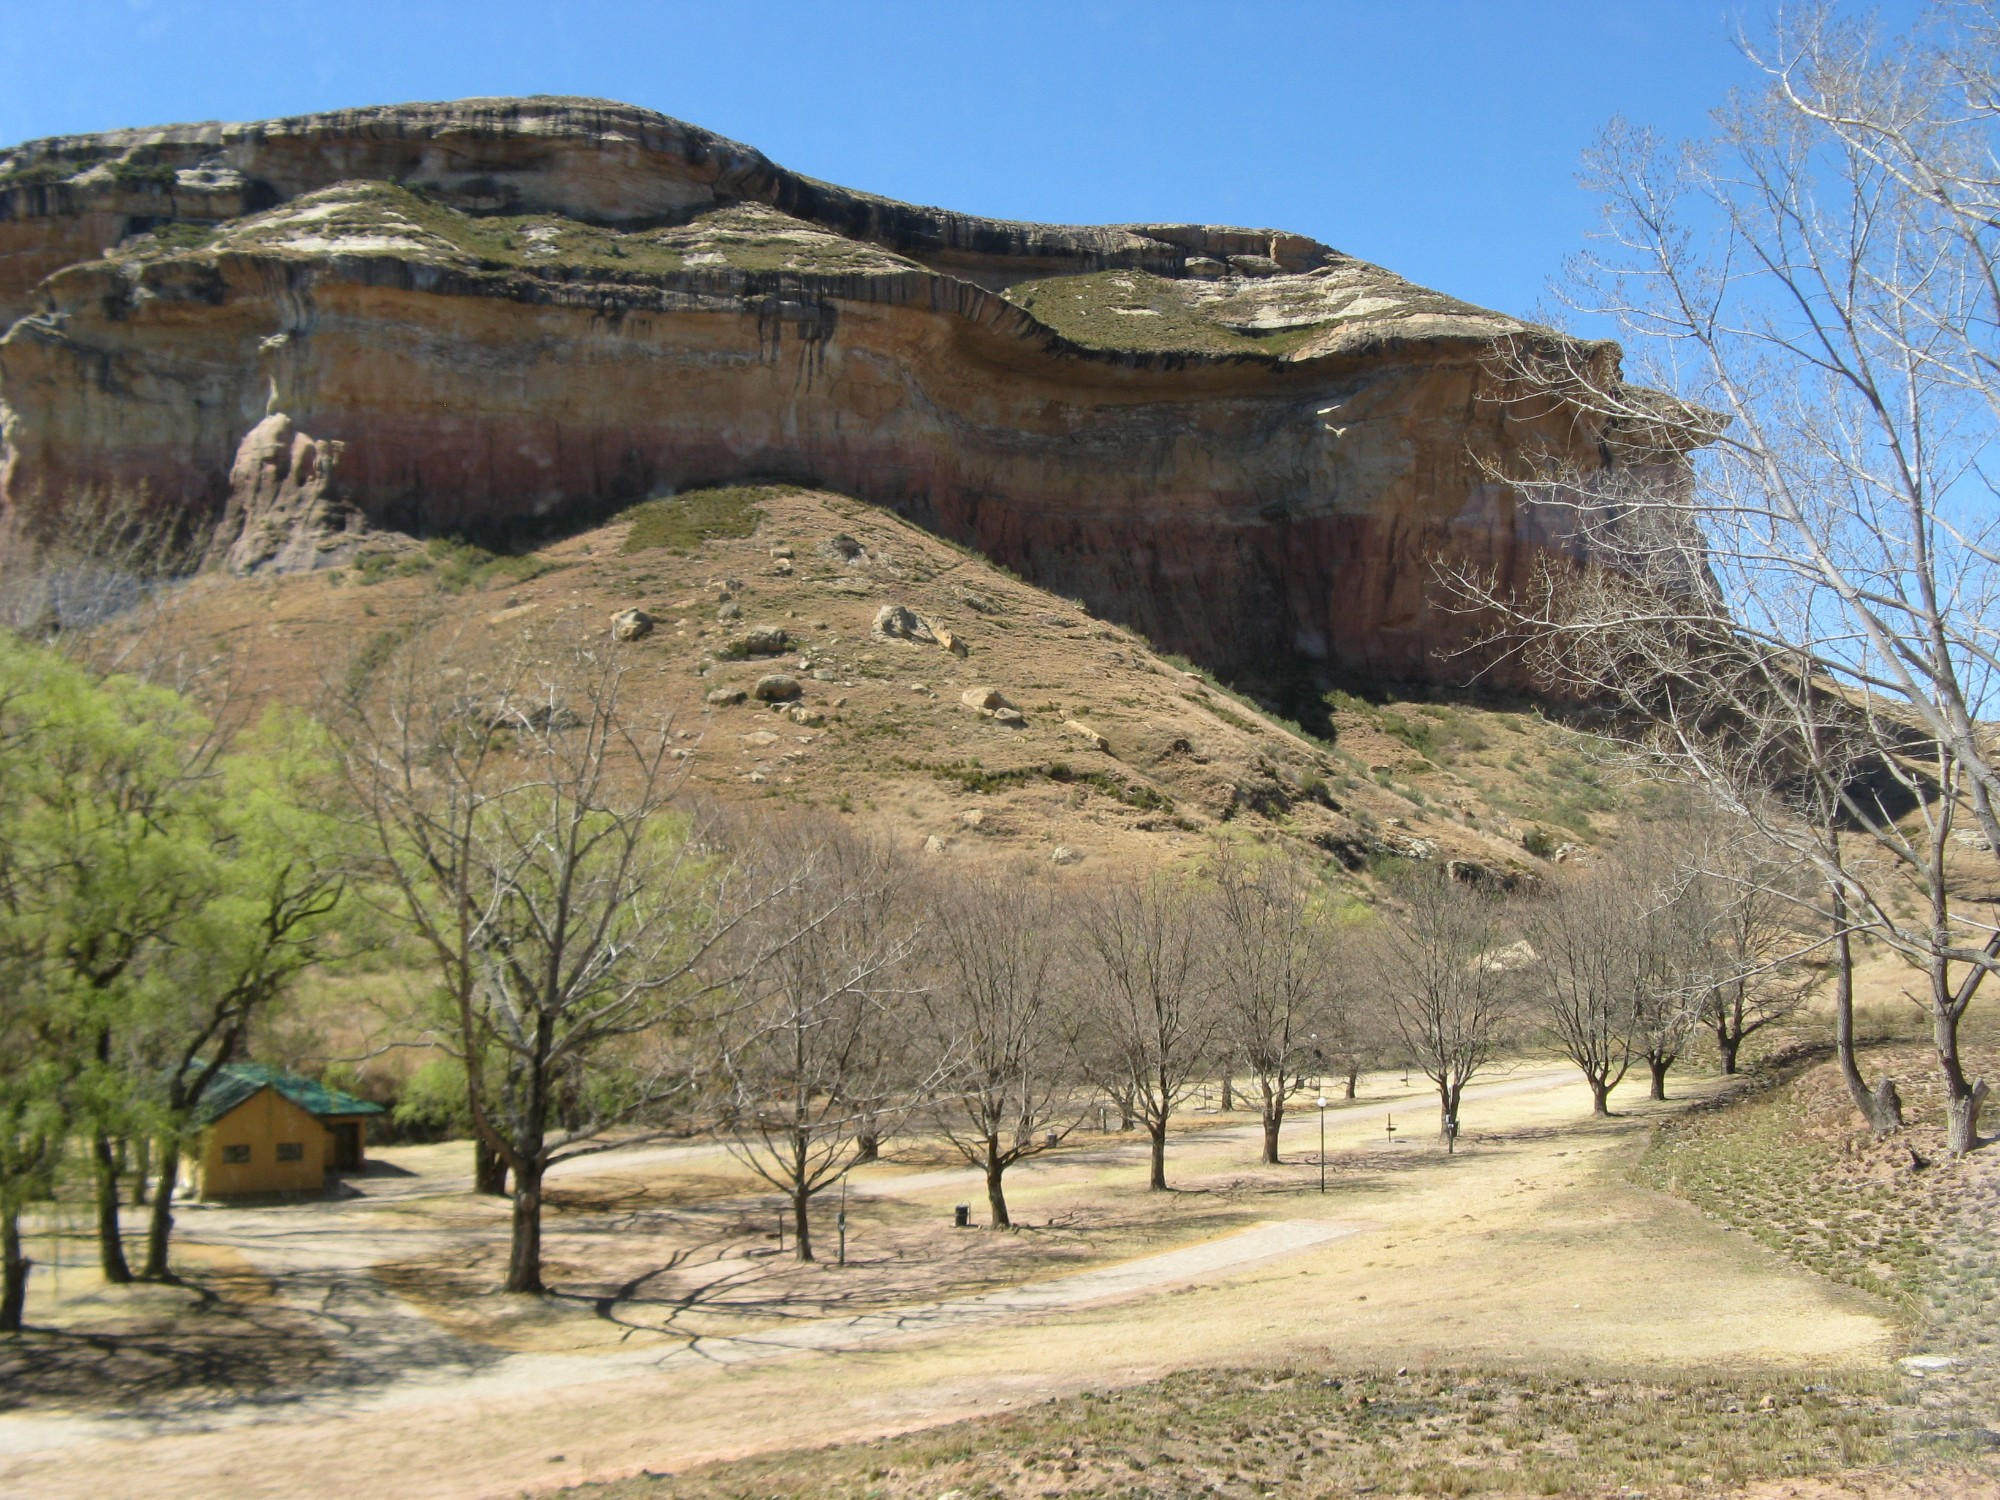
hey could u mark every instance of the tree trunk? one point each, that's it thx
(14, 1267)
(1962, 1119)
(1353, 1078)
(1882, 1109)
(1273, 1118)
(1228, 1093)
(524, 1256)
(996, 1197)
(1448, 1097)
(160, 1226)
(1125, 1115)
(141, 1170)
(1600, 1095)
(1962, 1099)
(867, 1146)
(1159, 1135)
(1728, 1044)
(489, 1170)
(802, 1230)
(110, 1236)
(1659, 1066)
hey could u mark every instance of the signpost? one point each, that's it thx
(1321, 1101)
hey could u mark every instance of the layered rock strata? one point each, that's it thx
(469, 316)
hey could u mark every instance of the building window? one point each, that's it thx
(291, 1151)
(235, 1156)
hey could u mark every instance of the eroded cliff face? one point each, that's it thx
(452, 318)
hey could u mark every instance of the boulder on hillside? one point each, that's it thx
(631, 625)
(897, 622)
(840, 548)
(778, 687)
(1085, 733)
(985, 699)
(727, 697)
(762, 640)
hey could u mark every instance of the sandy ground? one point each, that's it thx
(1528, 1247)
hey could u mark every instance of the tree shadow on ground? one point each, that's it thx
(231, 1344)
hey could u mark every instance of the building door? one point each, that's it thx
(346, 1146)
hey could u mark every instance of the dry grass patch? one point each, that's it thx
(1791, 1166)
(1309, 1432)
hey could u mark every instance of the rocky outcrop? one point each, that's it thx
(283, 512)
(511, 312)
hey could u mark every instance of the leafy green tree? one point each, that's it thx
(103, 865)
(275, 877)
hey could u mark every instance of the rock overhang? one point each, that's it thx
(1246, 458)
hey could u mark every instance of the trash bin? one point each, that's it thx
(961, 1216)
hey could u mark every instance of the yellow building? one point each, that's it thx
(270, 1133)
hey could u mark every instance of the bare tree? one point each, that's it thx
(1277, 978)
(992, 1023)
(827, 971)
(1742, 909)
(1146, 991)
(1448, 986)
(525, 830)
(1810, 614)
(1585, 973)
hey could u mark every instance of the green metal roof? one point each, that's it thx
(235, 1082)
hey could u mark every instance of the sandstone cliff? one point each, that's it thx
(493, 313)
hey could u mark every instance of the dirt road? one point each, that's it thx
(1529, 1246)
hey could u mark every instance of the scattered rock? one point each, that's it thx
(536, 717)
(727, 697)
(778, 687)
(1013, 718)
(985, 699)
(782, 552)
(841, 548)
(1085, 733)
(1062, 854)
(812, 718)
(760, 739)
(896, 622)
(972, 818)
(764, 640)
(782, 567)
(728, 610)
(952, 643)
(631, 625)
(934, 845)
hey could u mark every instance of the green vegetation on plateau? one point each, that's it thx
(680, 523)
(1139, 311)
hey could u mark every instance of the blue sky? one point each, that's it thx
(1439, 137)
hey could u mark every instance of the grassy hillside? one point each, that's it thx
(881, 731)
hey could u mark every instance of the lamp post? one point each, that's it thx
(1321, 1102)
